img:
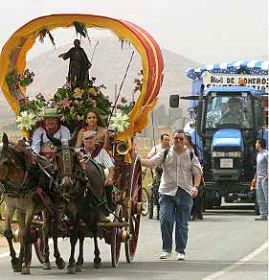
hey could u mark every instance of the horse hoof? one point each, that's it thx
(46, 266)
(16, 265)
(78, 268)
(97, 265)
(71, 270)
(16, 268)
(60, 263)
(25, 270)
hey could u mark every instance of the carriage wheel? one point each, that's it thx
(135, 195)
(145, 202)
(116, 238)
(151, 204)
(39, 249)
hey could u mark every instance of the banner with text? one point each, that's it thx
(255, 81)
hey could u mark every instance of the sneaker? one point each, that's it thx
(165, 256)
(261, 218)
(180, 257)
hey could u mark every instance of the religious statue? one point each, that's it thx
(79, 65)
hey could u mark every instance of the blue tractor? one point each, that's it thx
(229, 117)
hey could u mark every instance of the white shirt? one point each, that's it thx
(39, 137)
(104, 159)
(178, 171)
(156, 149)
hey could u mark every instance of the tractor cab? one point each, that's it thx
(229, 121)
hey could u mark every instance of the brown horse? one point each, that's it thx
(21, 195)
(85, 190)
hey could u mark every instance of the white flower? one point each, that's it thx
(120, 122)
(26, 120)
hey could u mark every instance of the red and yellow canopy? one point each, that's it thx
(13, 57)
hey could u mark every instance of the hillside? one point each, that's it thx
(109, 65)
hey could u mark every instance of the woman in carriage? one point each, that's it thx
(93, 122)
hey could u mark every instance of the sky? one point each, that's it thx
(206, 31)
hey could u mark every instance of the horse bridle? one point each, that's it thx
(67, 166)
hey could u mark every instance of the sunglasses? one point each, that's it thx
(179, 138)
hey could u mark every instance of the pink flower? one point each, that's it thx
(66, 103)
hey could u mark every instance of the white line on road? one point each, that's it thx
(247, 258)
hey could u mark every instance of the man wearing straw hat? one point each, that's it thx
(51, 125)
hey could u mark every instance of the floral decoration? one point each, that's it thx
(26, 120)
(119, 122)
(124, 106)
(16, 80)
(30, 112)
(74, 104)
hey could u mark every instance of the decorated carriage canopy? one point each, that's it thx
(249, 73)
(15, 77)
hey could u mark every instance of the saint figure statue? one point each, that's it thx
(79, 65)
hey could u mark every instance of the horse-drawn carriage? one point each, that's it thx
(128, 205)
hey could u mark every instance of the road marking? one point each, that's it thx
(245, 259)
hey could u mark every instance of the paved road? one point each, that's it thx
(227, 245)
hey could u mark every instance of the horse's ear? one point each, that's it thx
(5, 140)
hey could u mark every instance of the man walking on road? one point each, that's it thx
(261, 179)
(179, 183)
(165, 143)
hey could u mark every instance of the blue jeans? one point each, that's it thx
(262, 195)
(175, 209)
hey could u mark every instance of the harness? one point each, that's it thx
(66, 158)
(47, 148)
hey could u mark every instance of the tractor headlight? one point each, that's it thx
(218, 154)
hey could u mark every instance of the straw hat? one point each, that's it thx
(51, 113)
